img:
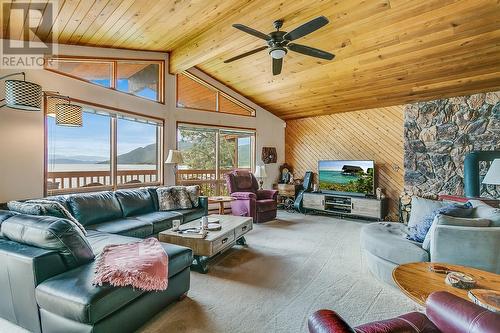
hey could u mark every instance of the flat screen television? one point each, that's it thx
(347, 177)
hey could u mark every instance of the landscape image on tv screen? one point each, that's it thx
(346, 176)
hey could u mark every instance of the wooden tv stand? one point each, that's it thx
(345, 205)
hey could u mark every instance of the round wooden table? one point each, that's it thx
(418, 282)
(221, 200)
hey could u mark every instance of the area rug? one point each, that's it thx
(291, 267)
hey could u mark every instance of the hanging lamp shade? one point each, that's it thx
(52, 102)
(23, 95)
(69, 115)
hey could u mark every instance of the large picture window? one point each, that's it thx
(211, 152)
(111, 150)
(195, 94)
(142, 78)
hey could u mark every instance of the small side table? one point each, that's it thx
(221, 200)
(417, 282)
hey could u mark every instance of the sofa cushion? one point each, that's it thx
(128, 226)
(387, 240)
(93, 208)
(135, 202)
(73, 296)
(191, 214)
(62, 199)
(420, 230)
(154, 195)
(486, 211)
(266, 205)
(4, 215)
(160, 220)
(50, 233)
(442, 219)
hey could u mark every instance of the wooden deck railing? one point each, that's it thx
(72, 181)
(207, 180)
(67, 181)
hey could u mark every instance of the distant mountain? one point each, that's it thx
(141, 155)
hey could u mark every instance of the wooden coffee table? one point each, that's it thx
(418, 282)
(221, 201)
(233, 230)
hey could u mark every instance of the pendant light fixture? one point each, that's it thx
(22, 95)
(52, 101)
(68, 114)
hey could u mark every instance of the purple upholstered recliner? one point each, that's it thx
(444, 313)
(249, 200)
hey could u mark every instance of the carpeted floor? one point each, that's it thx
(290, 268)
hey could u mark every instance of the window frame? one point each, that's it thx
(219, 128)
(218, 94)
(114, 114)
(114, 72)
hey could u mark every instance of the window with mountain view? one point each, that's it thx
(109, 151)
(142, 78)
(200, 147)
(138, 154)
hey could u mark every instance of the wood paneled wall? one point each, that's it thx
(375, 134)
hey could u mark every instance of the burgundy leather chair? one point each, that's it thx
(444, 313)
(249, 200)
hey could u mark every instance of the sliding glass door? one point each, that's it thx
(211, 152)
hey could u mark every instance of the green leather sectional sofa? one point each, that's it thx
(47, 264)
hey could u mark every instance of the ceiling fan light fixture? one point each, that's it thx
(278, 52)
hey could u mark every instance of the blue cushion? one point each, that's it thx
(418, 231)
(97, 207)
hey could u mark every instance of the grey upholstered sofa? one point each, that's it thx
(384, 245)
(47, 263)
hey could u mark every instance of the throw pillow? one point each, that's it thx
(421, 207)
(194, 193)
(25, 208)
(56, 209)
(418, 231)
(173, 197)
(451, 220)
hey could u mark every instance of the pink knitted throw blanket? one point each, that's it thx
(142, 265)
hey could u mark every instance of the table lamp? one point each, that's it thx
(260, 174)
(174, 157)
(493, 175)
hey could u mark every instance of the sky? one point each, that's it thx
(93, 139)
(337, 165)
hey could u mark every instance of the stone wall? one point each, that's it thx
(439, 134)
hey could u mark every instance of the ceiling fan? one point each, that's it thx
(278, 42)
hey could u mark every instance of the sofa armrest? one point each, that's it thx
(450, 313)
(23, 268)
(267, 194)
(243, 195)
(203, 203)
(327, 321)
(468, 246)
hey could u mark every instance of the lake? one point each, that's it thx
(97, 167)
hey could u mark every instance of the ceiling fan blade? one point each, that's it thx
(306, 28)
(310, 51)
(277, 64)
(245, 54)
(251, 31)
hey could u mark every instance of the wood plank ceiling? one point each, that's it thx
(388, 52)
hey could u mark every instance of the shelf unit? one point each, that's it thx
(346, 205)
